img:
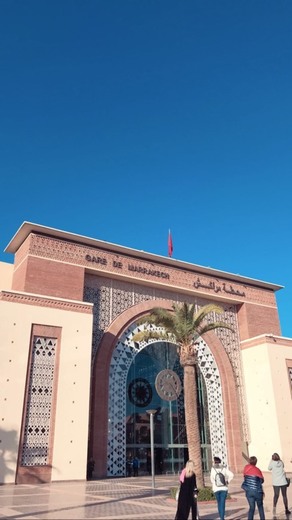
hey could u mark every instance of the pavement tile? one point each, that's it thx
(119, 499)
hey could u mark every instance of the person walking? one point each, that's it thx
(129, 467)
(253, 487)
(220, 476)
(90, 468)
(279, 481)
(187, 498)
(135, 466)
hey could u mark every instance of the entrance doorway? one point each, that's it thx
(170, 452)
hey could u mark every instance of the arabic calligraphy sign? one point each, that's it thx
(217, 287)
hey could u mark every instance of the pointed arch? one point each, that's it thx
(100, 387)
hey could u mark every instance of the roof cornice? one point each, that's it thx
(28, 227)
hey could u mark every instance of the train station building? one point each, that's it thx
(75, 385)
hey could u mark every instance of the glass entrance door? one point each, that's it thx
(170, 440)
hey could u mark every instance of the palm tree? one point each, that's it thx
(183, 326)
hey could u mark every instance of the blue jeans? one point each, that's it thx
(221, 499)
(255, 498)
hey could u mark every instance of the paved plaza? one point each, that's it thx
(119, 499)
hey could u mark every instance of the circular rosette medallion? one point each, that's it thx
(140, 392)
(168, 385)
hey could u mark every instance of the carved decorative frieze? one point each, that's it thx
(127, 267)
(41, 301)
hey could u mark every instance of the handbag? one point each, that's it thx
(177, 493)
(288, 481)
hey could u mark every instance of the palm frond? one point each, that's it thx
(204, 311)
(212, 326)
(181, 325)
(161, 318)
(146, 335)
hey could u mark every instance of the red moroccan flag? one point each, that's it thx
(170, 244)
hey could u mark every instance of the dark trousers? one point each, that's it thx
(255, 498)
(221, 499)
(284, 495)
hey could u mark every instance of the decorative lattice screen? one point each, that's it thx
(38, 409)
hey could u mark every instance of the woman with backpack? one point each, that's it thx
(220, 477)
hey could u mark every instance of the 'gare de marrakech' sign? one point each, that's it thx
(131, 267)
(161, 274)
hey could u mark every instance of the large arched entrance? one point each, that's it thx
(133, 371)
(116, 353)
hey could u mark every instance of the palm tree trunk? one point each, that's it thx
(192, 422)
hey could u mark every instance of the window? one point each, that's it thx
(289, 367)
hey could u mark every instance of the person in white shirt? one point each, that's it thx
(279, 481)
(220, 487)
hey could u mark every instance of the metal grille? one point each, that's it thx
(38, 410)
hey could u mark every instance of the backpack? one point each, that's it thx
(220, 479)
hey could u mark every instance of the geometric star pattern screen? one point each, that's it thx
(39, 403)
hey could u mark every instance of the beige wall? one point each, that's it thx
(72, 407)
(6, 275)
(269, 398)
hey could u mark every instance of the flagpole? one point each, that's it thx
(170, 244)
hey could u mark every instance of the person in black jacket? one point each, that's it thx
(187, 499)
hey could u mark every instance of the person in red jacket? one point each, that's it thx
(253, 487)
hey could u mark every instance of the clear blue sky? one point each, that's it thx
(120, 119)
